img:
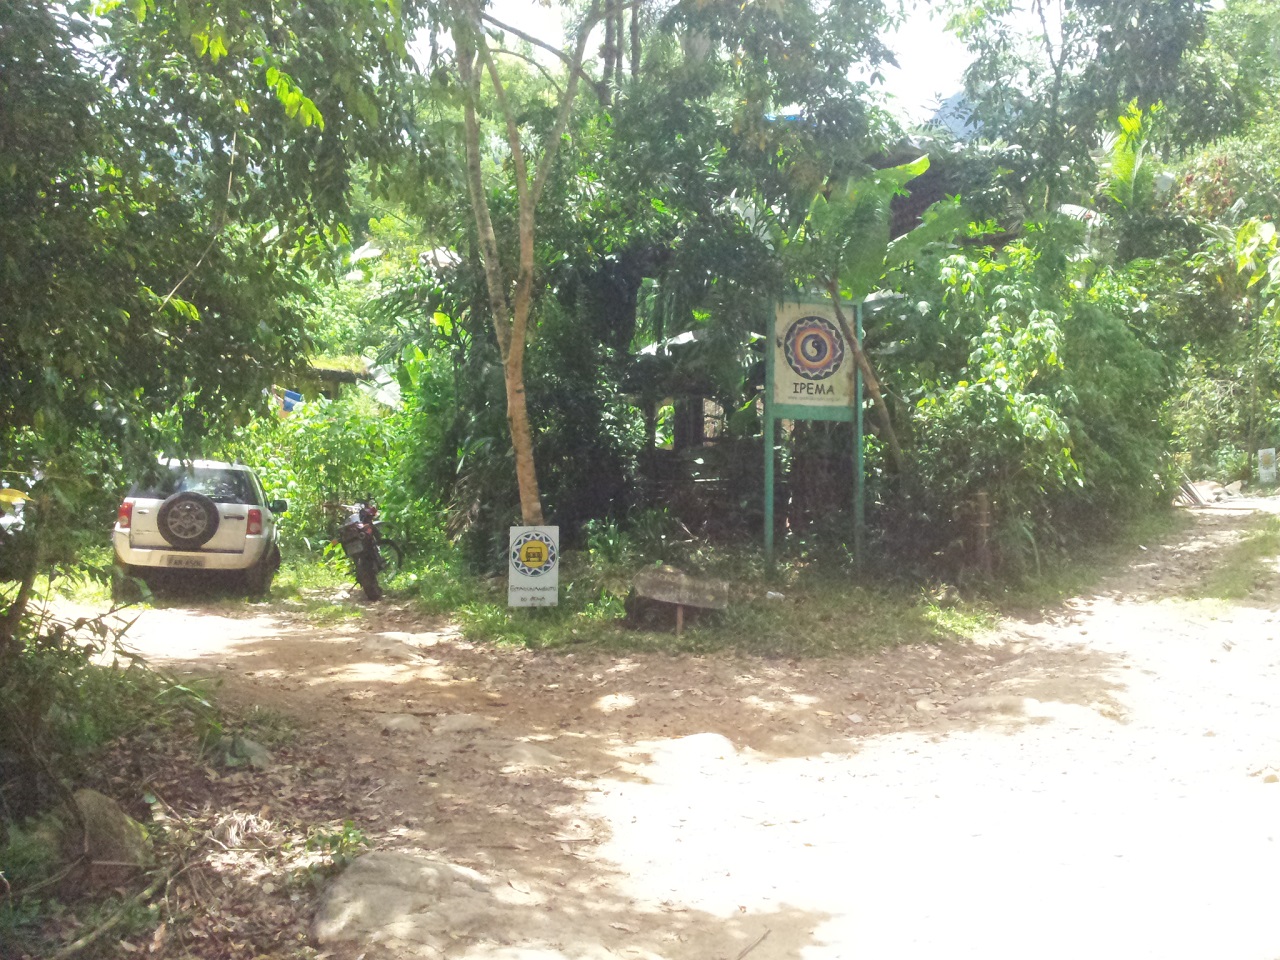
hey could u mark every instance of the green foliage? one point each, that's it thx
(1045, 84)
(589, 435)
(811, 620)
(1032, 396)
(1128, 177)
(846, 235)
(331, 849)
(1229, 80)
(996, 424)
(68, 690)
(30, 852)
(1118, 388)
(340, 846)
(1230, 397)
(1234, 178)
(325, 453)
(177, 306)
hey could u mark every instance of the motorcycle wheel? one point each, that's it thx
(367, 576)
(393, 553)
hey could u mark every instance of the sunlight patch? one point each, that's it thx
(612, 702)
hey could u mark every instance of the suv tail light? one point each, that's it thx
(255, 522)
(124, 516)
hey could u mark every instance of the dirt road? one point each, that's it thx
(1100, 783)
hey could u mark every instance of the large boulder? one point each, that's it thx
(397, 897)
(116, 846)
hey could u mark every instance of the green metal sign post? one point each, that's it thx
(810, 374)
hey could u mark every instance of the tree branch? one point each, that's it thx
(566, 104)
(550, 48)
(114, 920)
(526, 37)
(873, 383)
(13, 615)
(464, 43)
(546, 74)
(217, 227)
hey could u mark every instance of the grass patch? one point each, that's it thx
(814, 618)
(963, 621)
(303, 571)
(269, 727)
(1243, 567)
(87, 581)
(322, 611)
(438, 584)
(1070, 575)
(821, 613)
(807, 610)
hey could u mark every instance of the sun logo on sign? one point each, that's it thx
(533, 554)
(814, 348)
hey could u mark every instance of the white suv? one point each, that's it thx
(200, 515)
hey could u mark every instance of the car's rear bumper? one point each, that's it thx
(169, 558)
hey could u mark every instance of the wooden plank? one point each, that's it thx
(671, 586)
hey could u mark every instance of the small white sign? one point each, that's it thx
(534, 567)
(1267, 466)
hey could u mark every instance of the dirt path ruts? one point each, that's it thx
(1093, 784)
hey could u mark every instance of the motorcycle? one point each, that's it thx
(362, 541)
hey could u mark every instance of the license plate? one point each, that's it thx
(177, 561)
(353, 547)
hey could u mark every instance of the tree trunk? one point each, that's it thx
(873, 383)
(509, 329)
(12, 618)
(511, 303)
(610, 54)
(635, 41)
(522, 443)
(619, 33)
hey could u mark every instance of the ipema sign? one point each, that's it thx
(811, 374)
(812, 364)
(533, 567)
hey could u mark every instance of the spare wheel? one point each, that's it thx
(188, 520)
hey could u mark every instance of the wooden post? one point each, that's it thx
(984, 533)
(859, 468)
(770, 425)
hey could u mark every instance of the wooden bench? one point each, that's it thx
(667, 585)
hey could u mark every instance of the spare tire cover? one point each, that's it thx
(188, 520)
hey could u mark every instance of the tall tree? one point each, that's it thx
(511, 284)
(1229, 81)
(1047, 76)
(162, 173)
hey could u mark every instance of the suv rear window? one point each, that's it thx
(219, 485)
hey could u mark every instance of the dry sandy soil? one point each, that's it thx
(1096, 783)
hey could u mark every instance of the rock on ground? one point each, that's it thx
(399, 896)
(117, 846)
